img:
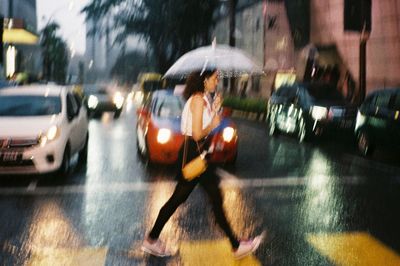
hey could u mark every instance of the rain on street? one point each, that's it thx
(319, 203)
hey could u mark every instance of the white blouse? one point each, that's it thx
(186, 120)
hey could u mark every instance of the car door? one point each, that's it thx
(143, 120)
(73, 123)
(380, 120)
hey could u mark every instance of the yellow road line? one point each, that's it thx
(68, 257)
(353, 249)
(212, 252)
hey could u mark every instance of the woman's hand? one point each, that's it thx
(216, 120)
(217, 103)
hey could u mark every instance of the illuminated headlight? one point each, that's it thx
(319, 112)
(50, 135)
(163, 135)
(228, 134)
(118, 100)
(92, 101)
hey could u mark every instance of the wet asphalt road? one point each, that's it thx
(319, 203)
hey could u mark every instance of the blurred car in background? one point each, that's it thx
(42, 127)
(308, 110)
(100, 99)
(159, 136)
(378, 121)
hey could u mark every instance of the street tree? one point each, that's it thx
(170, 27)
(128, 66)
(55, 54)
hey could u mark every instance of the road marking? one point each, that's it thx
(215, 252)
(32, 185)
(82, 256)
(353, 249)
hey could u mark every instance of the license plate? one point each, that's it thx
(10, 156)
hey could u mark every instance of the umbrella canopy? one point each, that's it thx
(230, 62)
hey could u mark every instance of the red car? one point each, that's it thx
(159, 136)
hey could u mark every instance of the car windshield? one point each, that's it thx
(95, 90)
(26, 105)
(325, 94)
(168, 107)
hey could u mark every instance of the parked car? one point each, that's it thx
(378, 121)
(159, 136)
(99, 99)
(42, 127)
(308, 110)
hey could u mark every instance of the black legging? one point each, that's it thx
(209, 181)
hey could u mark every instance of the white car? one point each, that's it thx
(41, 128)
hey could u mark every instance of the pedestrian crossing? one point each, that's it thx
(354, 249)
(346, 249)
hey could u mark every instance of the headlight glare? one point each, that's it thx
(92, 102)
(118, 99)
(50, 135)
(228, 134)
(319, 112)
(163, 135)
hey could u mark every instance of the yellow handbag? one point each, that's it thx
(195, 167)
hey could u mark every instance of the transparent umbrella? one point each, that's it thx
(230, 61)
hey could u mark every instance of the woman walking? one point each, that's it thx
(199, 117)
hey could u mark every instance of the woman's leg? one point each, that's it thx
(210, 182)
(181, 193)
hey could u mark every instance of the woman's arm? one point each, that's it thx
(196, 107)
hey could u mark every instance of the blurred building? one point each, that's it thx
(21, 49)
(101, 50)
(308, 37)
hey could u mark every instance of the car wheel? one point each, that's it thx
(142, 148)
(117, 114)
(364, 144)
(302, 131)
(82, 159)
(272, 127)
(65, 168)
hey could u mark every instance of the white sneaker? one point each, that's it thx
(247, 247)
(157, 248)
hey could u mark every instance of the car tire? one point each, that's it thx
(65, 168)
(272, 127)
(364, 143)
(302, 135)
(142, 151)
(82, 158)
(117, 114)
(233, 161)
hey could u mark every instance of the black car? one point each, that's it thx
(378, 121)
(308, 110)
(100, 99)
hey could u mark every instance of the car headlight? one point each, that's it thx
(163, 135)
(319, 112)
(228, 134)
(92, 102)
(118, 100)
(50, 135)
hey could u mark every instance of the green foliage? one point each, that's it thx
(171, 27)
(246, 104)
(55, 54)
(128, 66)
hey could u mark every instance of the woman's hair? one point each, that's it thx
(195, 82)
